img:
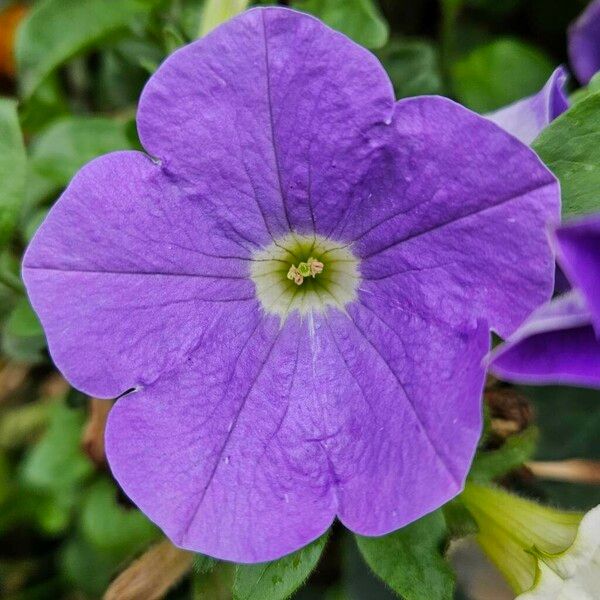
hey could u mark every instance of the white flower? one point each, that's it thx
(532, 544)
(573, 574)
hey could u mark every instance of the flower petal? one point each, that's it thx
(122, 286)
(413, 401)
(251, 448)
(575, 573)
(456, 218)
(584, 44)
(275, 104)
(526, 118)
(557, 344)
(222, 452)
(578, 248)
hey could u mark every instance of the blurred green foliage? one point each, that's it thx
(498, 73)
(65, 529)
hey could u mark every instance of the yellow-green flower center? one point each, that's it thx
(306, 273)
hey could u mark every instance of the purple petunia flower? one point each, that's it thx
(584, 43)
(526, 118)
(298, 288)
(560, 342)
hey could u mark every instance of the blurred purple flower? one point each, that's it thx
(584, 43)
(264, 405)
(526, 118)
(560, 342)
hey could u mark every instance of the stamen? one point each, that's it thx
(295, 275)
(311, 267)
(314, 266)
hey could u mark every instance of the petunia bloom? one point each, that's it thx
(560, 342)
(526, 118)
(574, 573)
(262, 406)
(584, 43)
(544, 553)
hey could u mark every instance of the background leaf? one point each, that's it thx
(499, 73)
(112, 528)
(203, 563)
(56, 463)
(278, 579)
(459, 521)
(57, 30)
(516, 450)
(86, 568)
(217, 12)
(570, 146)
(23, 338)
(12, 168)
(358, 19)
(68, 144)
(413, 67)
(216, 584)
(410, 560)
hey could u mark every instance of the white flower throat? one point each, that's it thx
(306, 273)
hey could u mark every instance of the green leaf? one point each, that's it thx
(413, 67)
(277, 579)
(111, 528)
(499, 73)
(27, 506)
(57, 30)
(204, 564)
(459, 520)
(56, 463)
(23, 338)
(13, 163)
(217, 12)
(358, 19)
(87, 568)
(215, 584)
(585, 92)
(5, 478)
(48, 103)
(570, 146)
(62, 149)
(410, 560)
(53, 472)
(33, 223)
(22, 424)
(516, 450)
(121, 75)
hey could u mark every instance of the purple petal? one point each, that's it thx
(274, 103)
(249, 450)
(121, 271)
(556, 345)
(414, 381)
(578, 247)
(584, 43)
(527, 118)
(457, 217)
(218, 452)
